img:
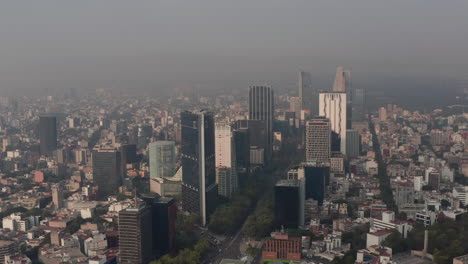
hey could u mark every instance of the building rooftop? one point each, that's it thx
(290, 183)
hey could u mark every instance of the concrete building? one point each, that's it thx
(225, 158)
(461, 194)
(283, 247)
(57, 196)
(376, 238)
(388, 222)
(318, 140)
(135, 235)
(333, 105)
(461, 260)
(7, 248)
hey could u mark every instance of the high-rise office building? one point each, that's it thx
(342, 81)
(318, 140)
(164, 213)
(358, 105)
(316, 179)
(261, 107)
(57, 196)
(47, 134)
(287, 203)
(199, 188)
(129, 153)
(226, 173)
(258, 140)
(305, 81)
(241, 140)
(162, 159)
(295, 105)
(107, 170)
(308, 95)
(333, 105)
(353, 143)
(343, 84)
(135, 235)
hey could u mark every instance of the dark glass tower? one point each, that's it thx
(262, 107)
(164, 213)
(107, 170)
(316, 178)
(241, 140)
(199, 189)
(358, 105)
(47, 134)
(287, 204)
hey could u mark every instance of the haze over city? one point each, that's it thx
(156, 46)
(234, 132)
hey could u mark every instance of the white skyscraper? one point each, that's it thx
(225, 159)
(333, 106)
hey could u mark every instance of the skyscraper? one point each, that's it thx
(316, 179)
(57, 196)
(308, 95)
(261, 107)
(199, 188)
(353, 143)
(135, 235)
(164, 213)
(162, 159)
(343, 84)
(333, 105)
(47, 134)
(241, 140)
(129, 153)
(287, 204)
(295, 105)
(107, 170)
(342, 80)
(358, 105)
(226, 174)
(304, 83)
(318, 140)
(257, 140)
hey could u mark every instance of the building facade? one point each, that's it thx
(318, 140)
(226, 173)
(135, 235)
(199, 188)
(47, 134)
(107, 170)
(162, 158)
(333, 105)
(261, 107)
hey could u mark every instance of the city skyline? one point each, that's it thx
(162, 132)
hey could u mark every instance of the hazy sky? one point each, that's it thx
(161, 45)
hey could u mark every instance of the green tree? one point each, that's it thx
(395, 242)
